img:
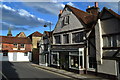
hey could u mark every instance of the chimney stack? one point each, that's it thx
(94, 9)
(96, 4)
(60, 13)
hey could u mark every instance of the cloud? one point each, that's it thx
(20, 17)
(6, 26)
(71, 4)
(46, 7)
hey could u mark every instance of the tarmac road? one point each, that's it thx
(24, 70)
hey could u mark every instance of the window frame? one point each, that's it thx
(59, 39)
(5, 54)
(21, 45)
(66, 20)
(66, 39)
(78, 34)
(15, 46)
(26, 54)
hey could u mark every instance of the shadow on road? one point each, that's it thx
(9, 71)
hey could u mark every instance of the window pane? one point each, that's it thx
(54, 58)
(66, 38)
(74, 61)
(105, 42)
(118, 40)
(57, 39)
(77, 37)
(15, 45)
(22, 45)
(5, 54)
(114, 41)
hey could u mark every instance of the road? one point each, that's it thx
(24, 70)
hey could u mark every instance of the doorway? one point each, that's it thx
(64, 58)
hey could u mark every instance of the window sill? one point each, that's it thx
(91, 69)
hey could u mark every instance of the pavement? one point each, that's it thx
(24, 70)
(69, 74)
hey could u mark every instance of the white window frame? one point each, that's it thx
(56, 53)
(79, 54)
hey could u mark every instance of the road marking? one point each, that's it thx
(3, 75)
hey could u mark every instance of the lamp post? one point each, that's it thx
(49, 24)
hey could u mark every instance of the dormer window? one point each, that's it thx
(15, 45)
(66, 20)
(22, 45)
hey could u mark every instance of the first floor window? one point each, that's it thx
(110, 41)
(26, 54)
(66, 38)
(118, 40)
(5, 54)
(15, 45)
(77, 37)
(22, 45)
(57, 39)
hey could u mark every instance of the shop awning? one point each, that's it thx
(65, 49)
(109, 54)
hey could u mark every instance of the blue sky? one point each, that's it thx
(29, 17)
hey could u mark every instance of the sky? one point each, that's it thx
(29, 17)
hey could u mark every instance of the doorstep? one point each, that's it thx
(69, 74)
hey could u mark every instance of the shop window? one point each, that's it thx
(54, 58)
(66, 38)
(77, 37)
(15, 45)
(57, 39)
(5, 54)
(75, 61)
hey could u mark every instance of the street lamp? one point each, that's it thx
(48, 24)
(45, 25)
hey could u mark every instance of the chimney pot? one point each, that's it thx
(96, 4)
(61, 11)
(88, 6)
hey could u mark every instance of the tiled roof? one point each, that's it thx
(20, 40)
(37, 34)
(48, 33)
(81, 15)
(110, 11)
(21, 34)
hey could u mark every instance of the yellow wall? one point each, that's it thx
(34, 41)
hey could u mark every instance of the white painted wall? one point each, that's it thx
(19, 56)
(108, 67)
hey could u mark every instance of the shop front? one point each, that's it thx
(69, 60)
